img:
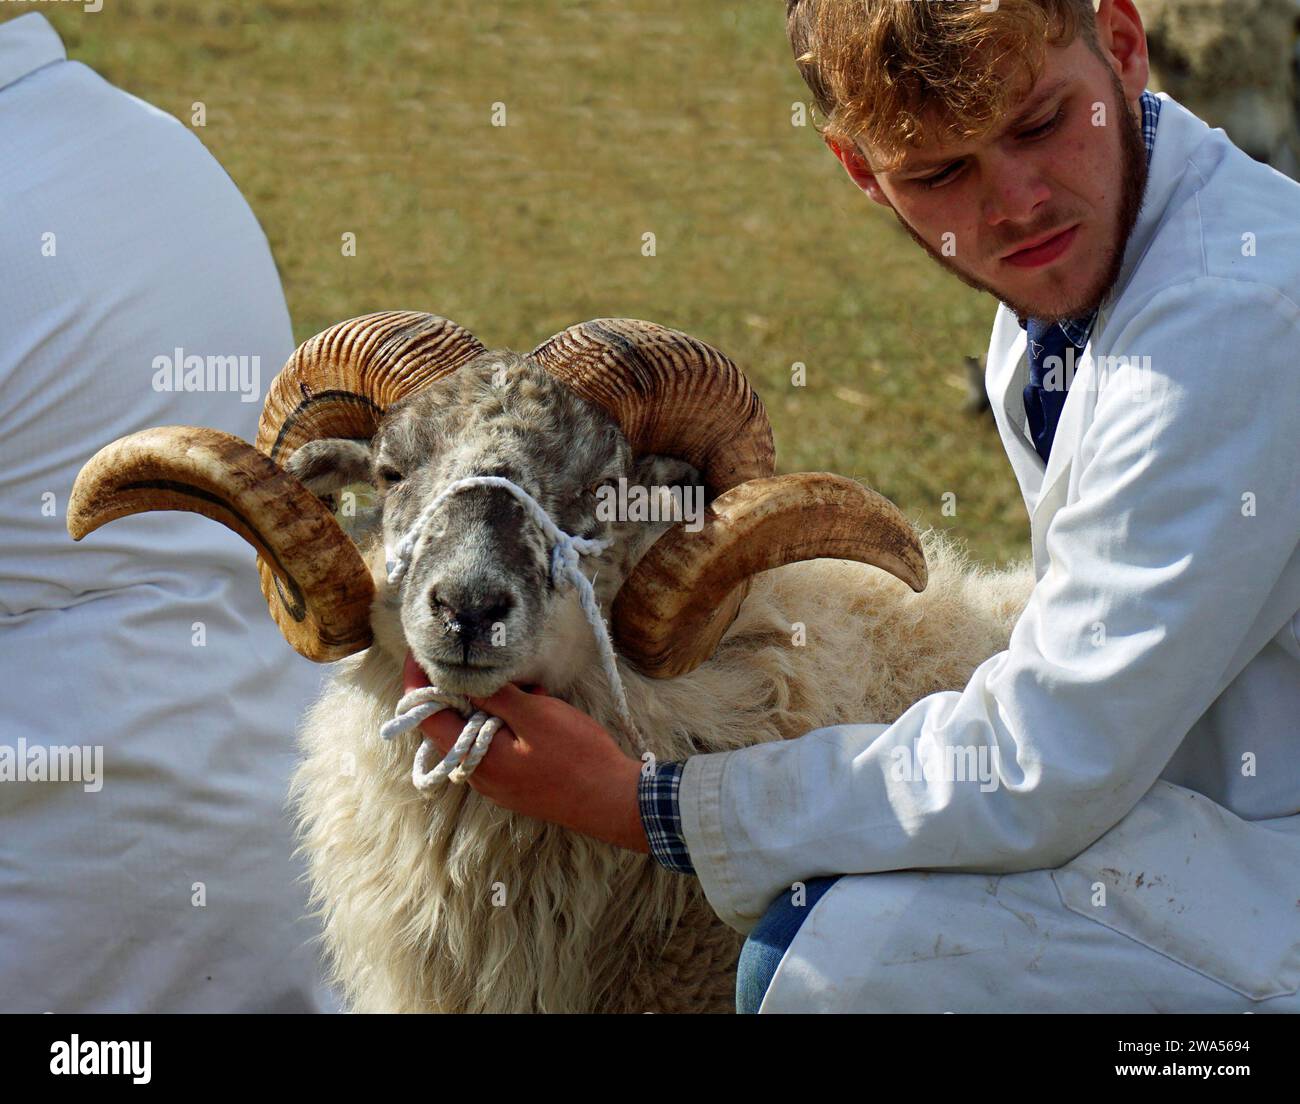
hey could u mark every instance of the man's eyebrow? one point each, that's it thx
(1023, 116)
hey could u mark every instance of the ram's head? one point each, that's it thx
(411, 402)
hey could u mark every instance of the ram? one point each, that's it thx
(802, 601)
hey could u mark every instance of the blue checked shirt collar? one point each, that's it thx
(1078, 329)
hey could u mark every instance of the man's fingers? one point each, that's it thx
(445, 725)
(413, 675)
(511, 702)
(443, 728)
(502, 703)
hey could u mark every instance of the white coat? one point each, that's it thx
(166, 882)
(1145, 718)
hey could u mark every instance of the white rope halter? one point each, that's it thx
(476, 737)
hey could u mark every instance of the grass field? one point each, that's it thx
(623, 117)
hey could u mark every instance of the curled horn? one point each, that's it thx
(336, 384)
(322, 591)
(683, 595)
(670, 394)
(674, 395)
(340, 382)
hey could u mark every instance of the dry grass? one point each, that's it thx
(624, 116)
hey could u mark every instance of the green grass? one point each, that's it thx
(624, 116)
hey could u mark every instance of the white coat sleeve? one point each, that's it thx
(1186, 516)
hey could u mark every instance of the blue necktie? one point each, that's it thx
(1043, 404)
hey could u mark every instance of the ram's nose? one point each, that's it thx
(470, 614)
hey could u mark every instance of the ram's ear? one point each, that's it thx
(655, 473)
(664, 471)
(330, 464)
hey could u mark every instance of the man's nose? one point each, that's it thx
(1013, 190)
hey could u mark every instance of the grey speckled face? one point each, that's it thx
(477, 605)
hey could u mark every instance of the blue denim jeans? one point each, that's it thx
(770, 939)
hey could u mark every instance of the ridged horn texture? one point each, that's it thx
(321, 587)
(674, 395)
(340, 382)
(676, 606)
(670, 394)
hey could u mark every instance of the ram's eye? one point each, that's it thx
(390, 475)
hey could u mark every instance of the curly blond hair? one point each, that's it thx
(899, 74)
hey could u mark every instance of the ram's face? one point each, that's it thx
(477, 605)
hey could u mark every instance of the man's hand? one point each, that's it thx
(549, 761)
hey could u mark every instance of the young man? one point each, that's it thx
(1140, 849)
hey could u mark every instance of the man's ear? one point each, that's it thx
(1120, 34)
(858, 169)
(329, 465)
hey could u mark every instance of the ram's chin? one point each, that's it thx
(475, 680)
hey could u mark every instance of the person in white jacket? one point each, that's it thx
(145, 858)
(1137, 845)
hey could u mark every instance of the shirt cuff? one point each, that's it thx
(658, 797)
